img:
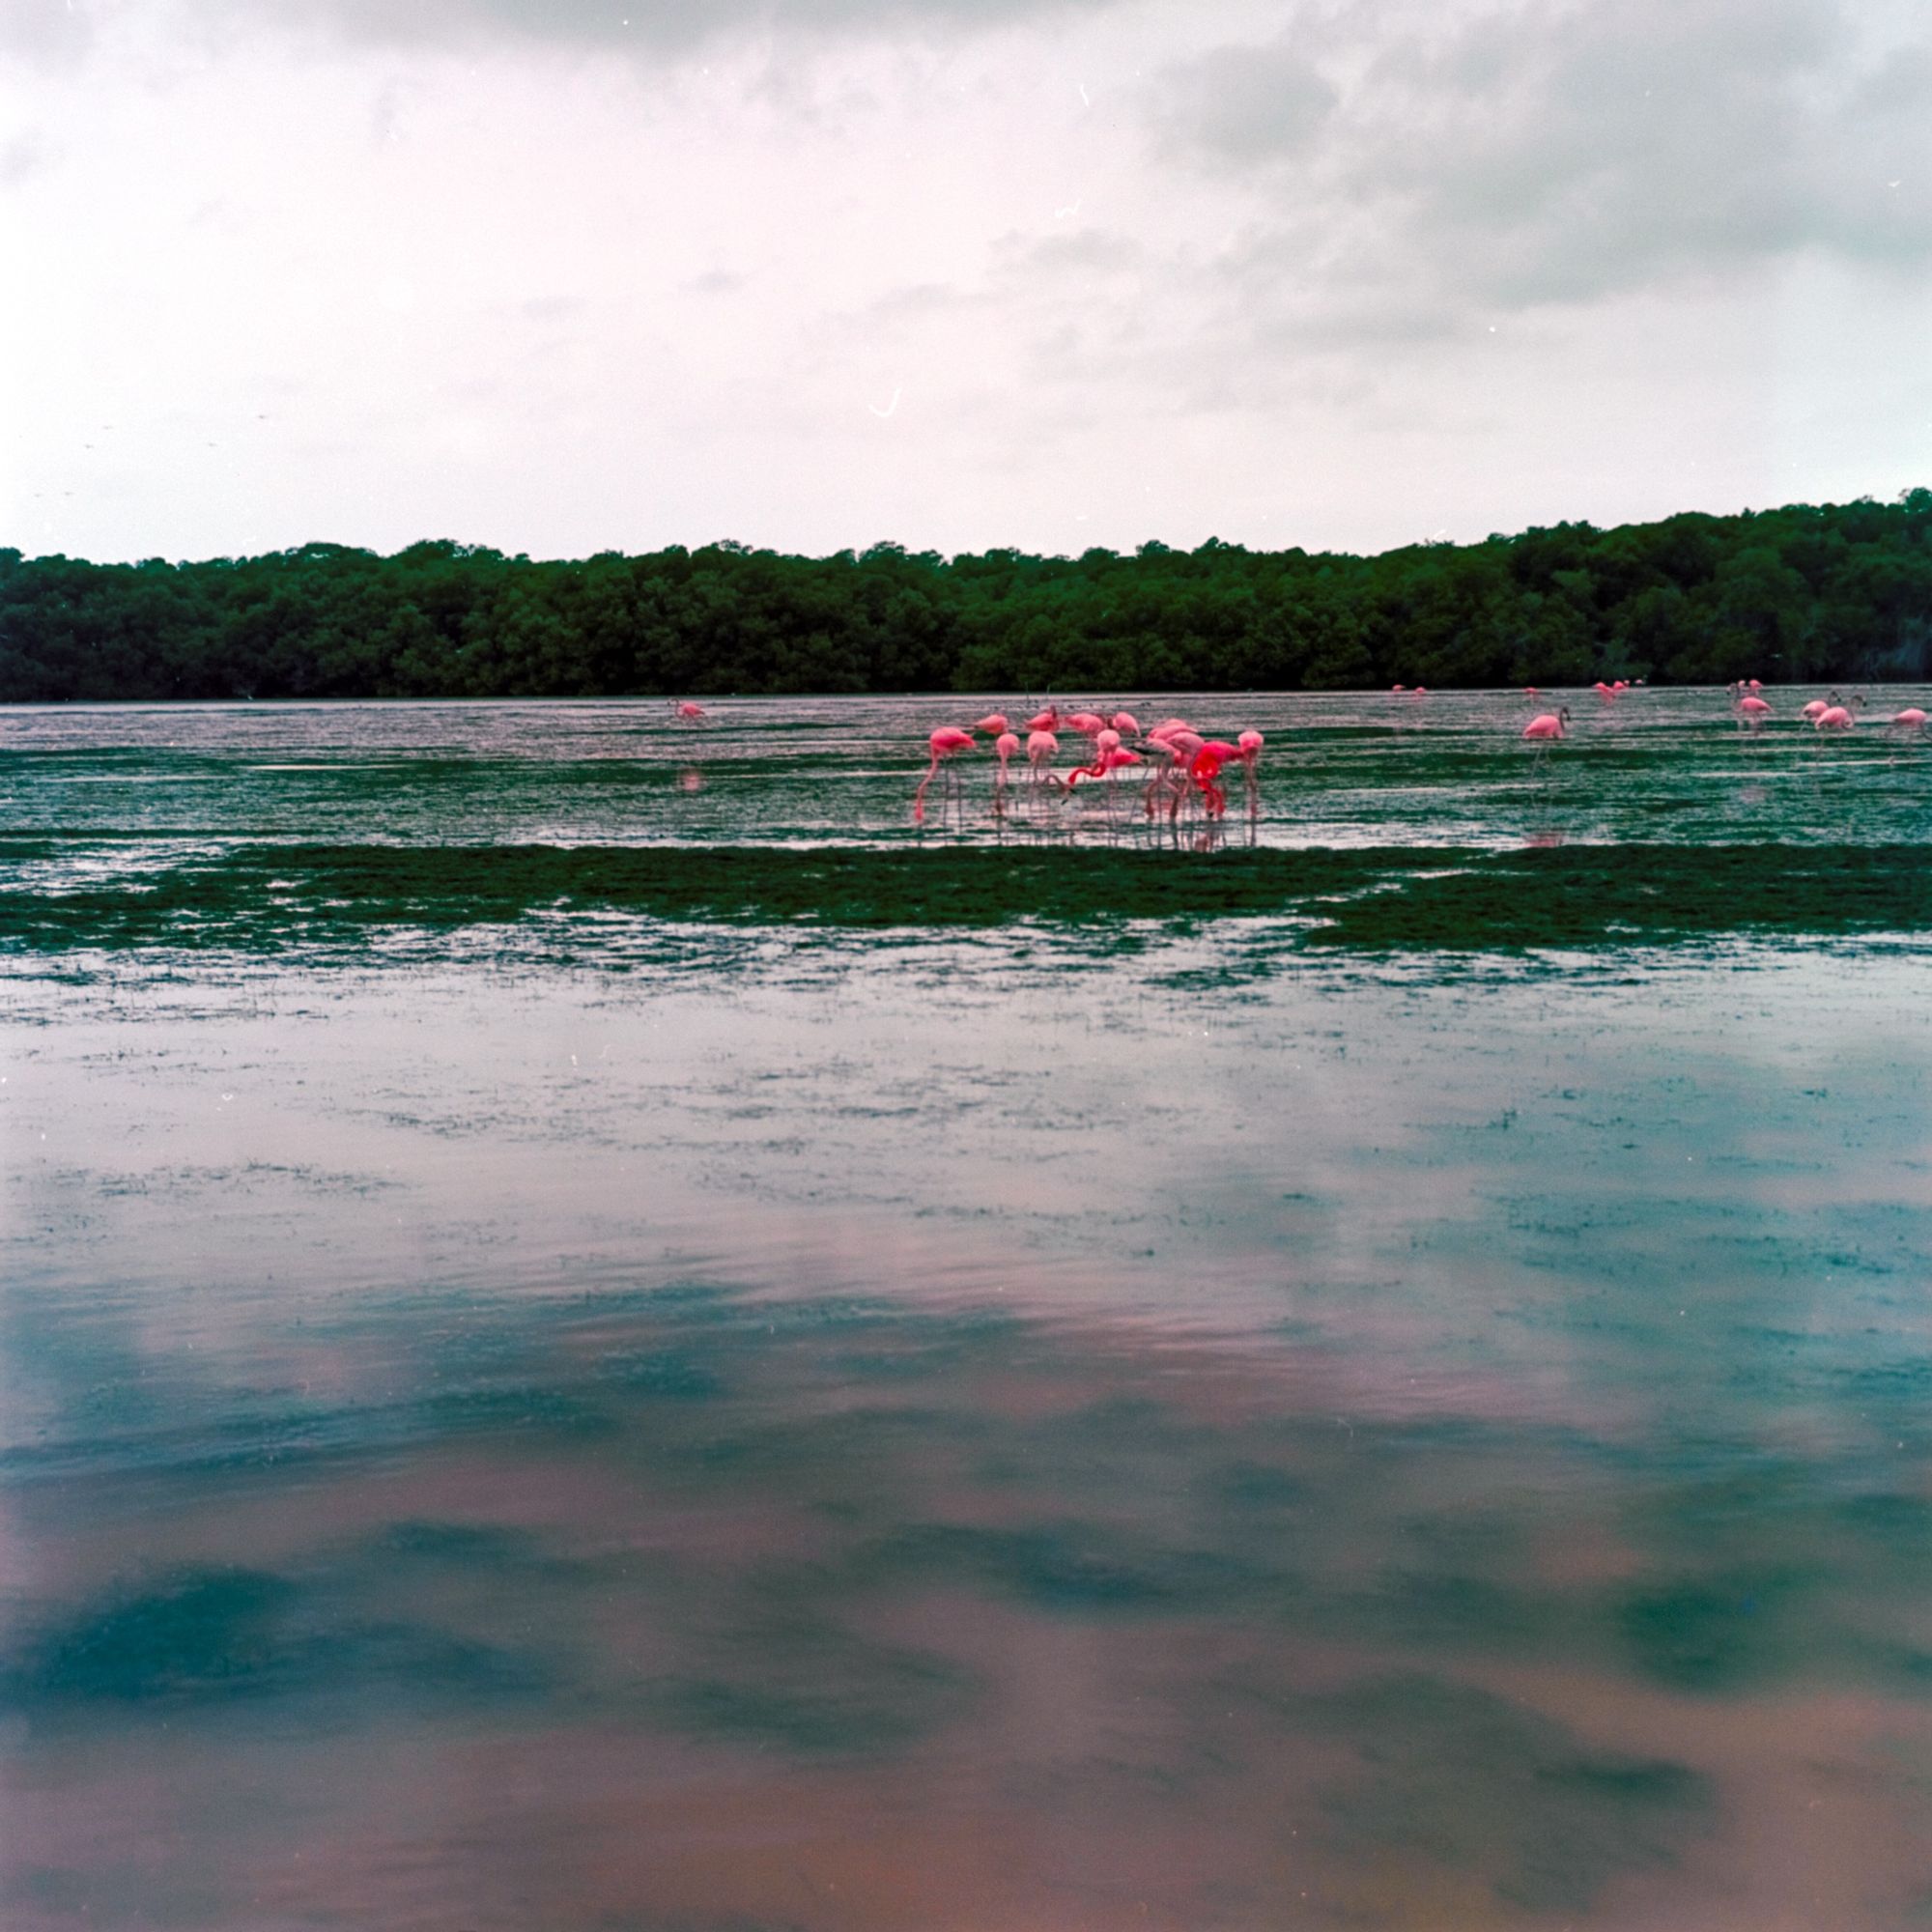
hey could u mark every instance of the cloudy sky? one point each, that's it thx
(567, 276)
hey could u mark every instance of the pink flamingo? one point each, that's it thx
(944, 743)
(1045, 721)
(992, 725)
(1911, 720)
(689, 713)
(1835, 718)
(1817, 707)
(1181, 748)
(1003, 748)
(1205, 769)
(1752, 711)
(1545, 729)
(1604, 693)
(1089, 724)
(1126, 724)
(1250, 745)
(1040, 747)
(1160, 746)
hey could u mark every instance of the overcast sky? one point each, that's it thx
(569, 276)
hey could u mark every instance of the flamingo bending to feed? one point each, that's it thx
(1547, 724)
(1180, 747)
(993, 724)
(1835, 717)
(1910, 720)
(1205, 769)
(1818, 706)
(1752, 711)
(1045, 721)
(943, 744)
(689, 713)
(1126, 724)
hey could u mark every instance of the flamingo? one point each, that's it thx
(1126, 724)
(1158, 776)
(943, 744)
(1752, 711)
(1250, 743)
(1003, 748)
(1545, 729)
(1205, 768)
(993, 724)
(688, 712)
(1040, 747)
(1835, 718)
(1817, 707)
(1909, 720)
(1045, 721)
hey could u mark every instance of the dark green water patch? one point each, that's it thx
(279, 898)
(1475, 1784)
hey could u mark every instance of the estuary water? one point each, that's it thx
(598, 1331)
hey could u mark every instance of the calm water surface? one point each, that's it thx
(537, 1409)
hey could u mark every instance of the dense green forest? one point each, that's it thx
(1797, 594)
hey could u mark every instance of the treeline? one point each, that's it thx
(1834, 592)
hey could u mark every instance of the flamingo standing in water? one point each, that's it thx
(1250, 743)
(1040, 747)
(1911, 720)
(1003, 748)
(992, 725)
(944, 743)
(1045, 721)
(1090, 724)
(1817, 707)
(1545, 729)
(1752, 711)
(688, 712)
(1838, 717)
(1205, 769)
(1126, 724)
(1180, 746)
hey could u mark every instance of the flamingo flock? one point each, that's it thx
(1185, 769)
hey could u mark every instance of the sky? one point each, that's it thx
(562, 276)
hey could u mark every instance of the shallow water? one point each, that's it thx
(585, 1399)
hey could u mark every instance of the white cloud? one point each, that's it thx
(1131, 271)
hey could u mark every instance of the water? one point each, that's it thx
(528, 1397)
